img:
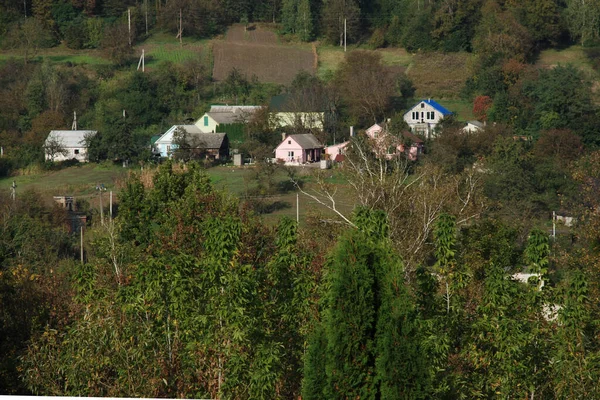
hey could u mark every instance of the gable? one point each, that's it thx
(429, 104)
(167, 137)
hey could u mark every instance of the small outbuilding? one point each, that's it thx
(67, 145)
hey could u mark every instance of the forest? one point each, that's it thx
(189, 291)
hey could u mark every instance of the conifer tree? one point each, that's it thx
(367, 345)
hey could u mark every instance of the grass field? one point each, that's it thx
(463, 109)
(162, 47)
(79, 181)
(574, 55)
(330, 58)
(439, 75)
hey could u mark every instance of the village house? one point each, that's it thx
(215, 120)
(424, 117)
(291, 110)
(390, 146)
(67, 145)
(299, 149)
(212, 145)
(336, 152)
(219, 119)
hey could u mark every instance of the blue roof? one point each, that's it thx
(435, 105)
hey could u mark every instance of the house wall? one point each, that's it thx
(282, 152)
(423, 118)
(310, 120)
(79, 153)
(336, 149)
(206, 124)
(165, 144)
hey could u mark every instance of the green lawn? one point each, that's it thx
(463, 109)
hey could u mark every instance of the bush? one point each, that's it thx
(377, 39)
(74, 35)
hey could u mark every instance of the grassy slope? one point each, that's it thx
(80, 181)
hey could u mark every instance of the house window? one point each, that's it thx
(422, 115)
(168, 148)
(415, 115)
(291, 154)
(76, 151)
(289, 142)
(422, 105)
(206, 120)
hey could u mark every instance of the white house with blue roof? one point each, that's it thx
(424, 116)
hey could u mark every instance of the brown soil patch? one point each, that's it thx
(269, 63)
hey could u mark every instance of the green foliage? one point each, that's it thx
(537, 252)
(368, 335)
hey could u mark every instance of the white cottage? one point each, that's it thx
(66, 145)
(213, 121)
(424, 116)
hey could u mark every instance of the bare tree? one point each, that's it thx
(366, 85)
(54, 147)
(189, 145)
(412, 197)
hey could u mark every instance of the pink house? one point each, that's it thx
(299, 149)
(336, 151)
(389, 146)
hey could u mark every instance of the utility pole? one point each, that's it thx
(81, 242)
(344, 35)
(100, 188)
(180, 31)
(13, 191)
(129, 24)
(298, 208)
(142, 62)
(554, 225)
(110, 208)
(146, 8)
(74, 126)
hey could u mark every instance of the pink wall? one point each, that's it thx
(336, 149)
(289, 144)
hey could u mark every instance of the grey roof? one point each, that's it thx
(231, 114)
(189, 128)
(307, 141)
(70, 138)
(210, 140)
(476, 123)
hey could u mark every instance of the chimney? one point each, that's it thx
(351, 131)
(283, 136)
